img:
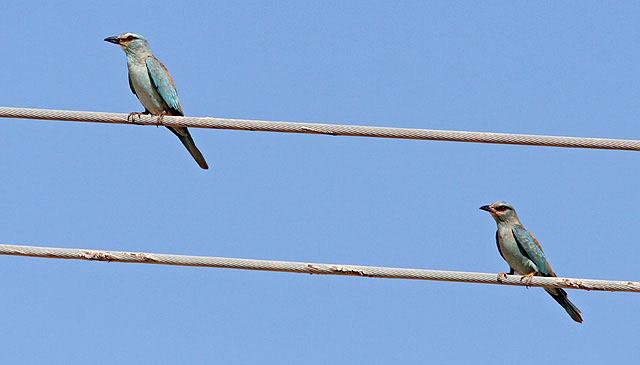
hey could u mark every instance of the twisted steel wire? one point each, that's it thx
(317, 268)
(329, 129)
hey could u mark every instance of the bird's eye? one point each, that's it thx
(501, 208)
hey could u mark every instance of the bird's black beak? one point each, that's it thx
(486, 208)
(113, 40)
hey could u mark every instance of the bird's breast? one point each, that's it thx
(512, 255)
(145, 91)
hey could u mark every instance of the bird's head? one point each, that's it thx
(501, 212)
(130, 42)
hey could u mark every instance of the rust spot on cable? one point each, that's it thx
(97, 256)
(140, 256)
(314, 269)
(348, 271)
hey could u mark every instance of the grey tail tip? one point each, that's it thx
(197, 155)
(195, 152)
(203, 164)
(186, 139)
(560, 296)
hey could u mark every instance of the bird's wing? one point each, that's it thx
(530, 247)
(498, 244)
(131, 85)
(511, 270)
(535, 240)
(163, 83)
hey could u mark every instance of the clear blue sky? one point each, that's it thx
(545, 68)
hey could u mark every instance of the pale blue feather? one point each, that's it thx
(164, 85)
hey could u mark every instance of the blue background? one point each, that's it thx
(543, 68)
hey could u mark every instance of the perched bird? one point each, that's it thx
(150, 81)
(520, 249)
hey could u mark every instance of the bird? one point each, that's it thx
(523, 253)
(151, 83)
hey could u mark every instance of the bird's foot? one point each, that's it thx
(131, 118)
(160, 120)
(527, 278)
(502, 276)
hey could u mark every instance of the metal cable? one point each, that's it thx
(330, 129)
(316, 268)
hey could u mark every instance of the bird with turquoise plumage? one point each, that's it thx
(150, 81)
(523, 253)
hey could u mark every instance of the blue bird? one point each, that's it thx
(520, 249)
(150, 81)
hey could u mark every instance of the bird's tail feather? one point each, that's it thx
(186, 139)
(560, 296)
